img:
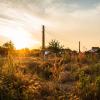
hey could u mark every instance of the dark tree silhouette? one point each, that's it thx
(7, 48)
(9, 45)
(55, 46)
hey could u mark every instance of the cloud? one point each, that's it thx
(68, 19)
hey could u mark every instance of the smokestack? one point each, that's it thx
(79, 47)
(43, 37)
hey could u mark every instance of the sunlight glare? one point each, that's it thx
(21, 38)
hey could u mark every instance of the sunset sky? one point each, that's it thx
(68, 21)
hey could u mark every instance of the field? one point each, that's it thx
(52, 78)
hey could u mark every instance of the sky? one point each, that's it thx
(67, 21)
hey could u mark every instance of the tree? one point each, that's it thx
(8, 48)
(9, 45)
(54, 46)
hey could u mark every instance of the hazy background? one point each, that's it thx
(68, 21)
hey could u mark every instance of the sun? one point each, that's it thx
(19, 30)
(24, 43)
(21, 38)
(24, 40)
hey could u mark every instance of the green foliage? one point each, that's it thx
(60, 78)
(55, 46)
(91, 70)
(88, 86)
(84, 87)
(66, 58)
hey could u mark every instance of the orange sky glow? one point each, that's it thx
(67, 21)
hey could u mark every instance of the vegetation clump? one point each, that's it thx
(67, 75)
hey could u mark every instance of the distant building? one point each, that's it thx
(94, 49)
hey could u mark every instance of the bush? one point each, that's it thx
(85, 88)
(64, 76)
(88, 86)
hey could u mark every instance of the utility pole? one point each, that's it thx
(43, 42)
(79, 47)
(43, 37)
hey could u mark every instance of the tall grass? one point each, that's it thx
(16, 84)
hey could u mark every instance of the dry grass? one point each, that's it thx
(27, 78)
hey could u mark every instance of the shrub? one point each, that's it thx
(64, 76)
(88, 84)
(97, 82)
(66, 58)
(86, 88)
